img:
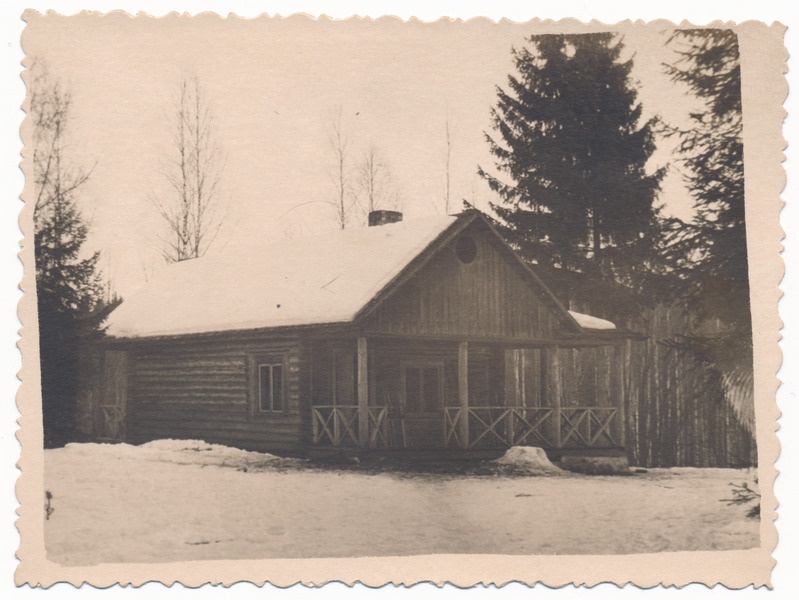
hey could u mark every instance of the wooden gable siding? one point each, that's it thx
(488, 297)
(201, 390)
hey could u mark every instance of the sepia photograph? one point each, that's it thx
(311, 288)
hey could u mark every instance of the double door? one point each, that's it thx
(420, 411)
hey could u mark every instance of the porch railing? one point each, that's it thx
(587, 425)
(337, 425)
(583, 426)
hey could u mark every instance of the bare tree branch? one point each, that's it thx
(376, 183)
(193, 173)
(340, 144)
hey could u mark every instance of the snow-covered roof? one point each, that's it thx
(323, 279)
(591, 322)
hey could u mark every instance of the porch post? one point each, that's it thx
(511, 401)
(363, 394)
(621, 358)
(553, 390)
(463, 393)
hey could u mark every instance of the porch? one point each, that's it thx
(468, 395)
(488, 427)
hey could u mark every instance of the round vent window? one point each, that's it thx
(466, 249)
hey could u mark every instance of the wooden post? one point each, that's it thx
(363, 394)
(621, 356)
(514, 402)
(463, 393)
(113, 402)
(553, 391)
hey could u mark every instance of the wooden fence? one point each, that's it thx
(337, 425)
(503, 426)
(676, 410)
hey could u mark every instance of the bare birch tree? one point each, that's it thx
(69, 287)
(340, 144)
(375, 182)
(193, 171)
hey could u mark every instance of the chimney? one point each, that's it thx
(384, 217)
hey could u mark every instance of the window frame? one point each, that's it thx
(270, 360)
(421, 366)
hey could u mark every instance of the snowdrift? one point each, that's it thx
(530, 459)
(186, 452)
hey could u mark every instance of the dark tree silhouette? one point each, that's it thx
(572, 145)
(709, 251)
(69, 288)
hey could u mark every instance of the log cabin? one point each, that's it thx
(428, 335)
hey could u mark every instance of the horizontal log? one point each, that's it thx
(241, 414)
(194, 387)
(155, 390)
(199, 407)
(228, 433)
(160, 423)
(209, 383)
(181, 360)
(210, 414)
(237, 370)
(211, 396)
(173, 385)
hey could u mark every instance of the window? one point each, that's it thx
(270, 386)
(422, 389)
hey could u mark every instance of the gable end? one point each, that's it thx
(468, 282)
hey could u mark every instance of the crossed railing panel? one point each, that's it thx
(112, 422)
(337, 425)
(587, 425)
(502, 425)
(378, 418)
(514, 426)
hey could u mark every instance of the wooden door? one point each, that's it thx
(423, 401)
(110, 423)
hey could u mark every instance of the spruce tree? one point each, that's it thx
(68, 284)
(572, 151)
(709, 252)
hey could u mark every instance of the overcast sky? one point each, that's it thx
(275, 87)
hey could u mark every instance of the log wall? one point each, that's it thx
(201, 390)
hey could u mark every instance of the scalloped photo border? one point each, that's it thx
(763, 65)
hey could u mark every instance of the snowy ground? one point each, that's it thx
(177, 500)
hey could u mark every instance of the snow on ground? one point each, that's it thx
(176, 500)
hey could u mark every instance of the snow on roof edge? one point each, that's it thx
(591, 322)
(220, 329)
(403, 242)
